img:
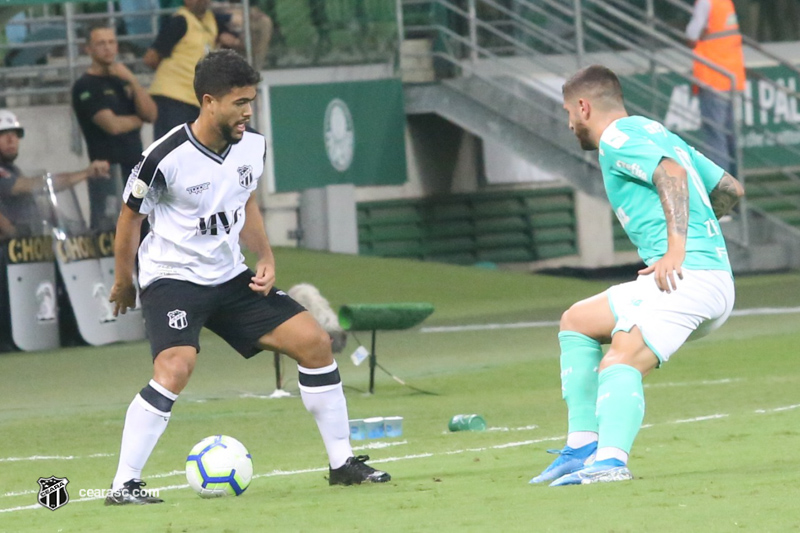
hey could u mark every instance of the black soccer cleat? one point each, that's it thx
(356, 471)
(131, 493)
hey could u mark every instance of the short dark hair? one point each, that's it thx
(97, 25)
(596, 81)
(221, 71)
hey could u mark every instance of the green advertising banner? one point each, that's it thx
(770, 117)
(334, 133)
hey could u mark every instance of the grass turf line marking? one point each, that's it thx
(481, 327)
(724, 381)
(53, 457)
(521, 428)
(699, 418)
(766, 311)
(379, 445)
(20, 493)
(777, 409)
(550, 323)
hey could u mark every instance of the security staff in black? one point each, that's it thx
(111, 107)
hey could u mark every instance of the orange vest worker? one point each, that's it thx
(721, 44)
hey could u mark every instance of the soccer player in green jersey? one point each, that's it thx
(668, 197)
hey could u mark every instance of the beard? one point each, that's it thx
(584, 137)
(227, 132)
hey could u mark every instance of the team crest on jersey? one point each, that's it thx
(177, 319)
(245, 176)
(53, 492)
(197, 189)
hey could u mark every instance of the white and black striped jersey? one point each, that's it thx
(194, 199)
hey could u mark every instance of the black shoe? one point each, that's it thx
(356, 471)
(131, 493)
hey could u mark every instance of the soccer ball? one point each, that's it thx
(219, 466)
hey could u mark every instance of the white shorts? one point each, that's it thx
(701, 304)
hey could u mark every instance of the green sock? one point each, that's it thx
(620, 407)
(580, 356)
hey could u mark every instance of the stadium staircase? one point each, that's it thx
(495, 68)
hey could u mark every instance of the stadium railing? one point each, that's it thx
(43, 67)
(493, 39)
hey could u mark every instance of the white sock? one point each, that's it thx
(608, 452)
(579, 439)
(323, 396)
(144, 424)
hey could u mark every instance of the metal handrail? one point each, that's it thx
(548, 62)
(751, 43)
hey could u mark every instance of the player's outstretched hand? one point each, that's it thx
(264, 278)
(123, 297)
(667, 271)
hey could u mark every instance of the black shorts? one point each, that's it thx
(175, 311)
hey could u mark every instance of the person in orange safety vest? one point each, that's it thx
(714, 35)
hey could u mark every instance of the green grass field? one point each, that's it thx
(718, 452)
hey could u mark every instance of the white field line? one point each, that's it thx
(766, 311)
(479, 327)
(724, 381)
(521, 428)
(777, 409)
(21, 493)
(53, 457)
(394, 459)
(700, 418)
(378, 445)
(552, 323)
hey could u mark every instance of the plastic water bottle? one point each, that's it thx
(467, 423)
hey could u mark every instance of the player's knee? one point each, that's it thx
(173, 370)
(315, 350)
(568, 322)
(322, 344)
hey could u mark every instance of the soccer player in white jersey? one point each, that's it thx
(197, 185)
(668, 198)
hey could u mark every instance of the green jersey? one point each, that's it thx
(630, 150)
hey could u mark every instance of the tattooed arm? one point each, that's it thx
(673, 190)
(725, 195)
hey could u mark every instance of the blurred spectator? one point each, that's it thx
(138, 25)
(16, 191)
(714, 34)
(183, 40)
(319, 18)
(778, 20)
(278, 39)
(7, 229)
(111, 107)
(231, 36)
(16, 30)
